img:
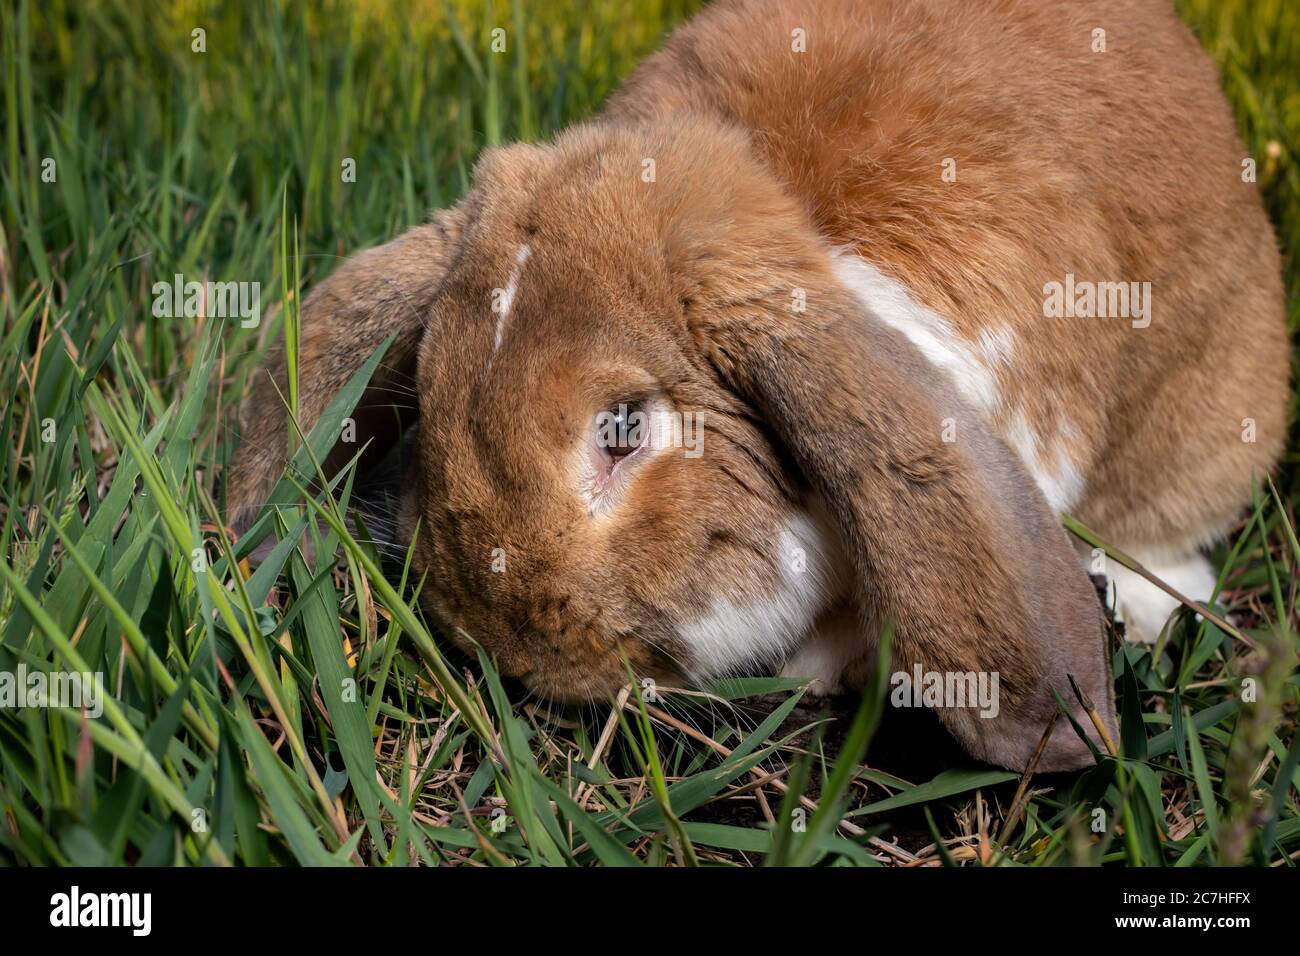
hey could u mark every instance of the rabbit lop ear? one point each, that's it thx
(381, 292)
(951, 540)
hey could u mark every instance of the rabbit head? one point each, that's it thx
(656, 430)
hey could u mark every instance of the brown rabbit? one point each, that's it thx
(820, 324)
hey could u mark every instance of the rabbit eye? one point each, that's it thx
(621, 429)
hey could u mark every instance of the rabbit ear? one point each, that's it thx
(381, 292)
(951, 540)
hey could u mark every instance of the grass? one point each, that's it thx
(306, 713)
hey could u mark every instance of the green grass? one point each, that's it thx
(307, 713)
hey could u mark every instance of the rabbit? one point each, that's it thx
(832, 238)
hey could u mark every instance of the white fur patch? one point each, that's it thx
(745, 638)
(1142, 606)
(971, 365)
(996, 346)
(826, 652)
(891, 302)
(1056, 476)
(508, 294)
